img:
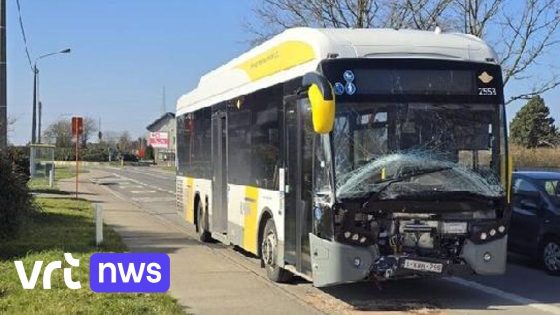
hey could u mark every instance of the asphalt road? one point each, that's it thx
(524, 289)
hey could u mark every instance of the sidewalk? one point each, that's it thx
(203, 278)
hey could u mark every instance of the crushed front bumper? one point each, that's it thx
(334, 263)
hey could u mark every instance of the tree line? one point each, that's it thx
(109, 145)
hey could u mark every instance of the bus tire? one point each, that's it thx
(269, 249)
(203, 235)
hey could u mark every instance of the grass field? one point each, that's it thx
(548, 158)
(66, 225)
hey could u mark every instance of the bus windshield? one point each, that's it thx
(395, 150)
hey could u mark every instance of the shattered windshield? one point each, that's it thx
(399, 150)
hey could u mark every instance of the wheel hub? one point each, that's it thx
(268, 249)
(552, 256)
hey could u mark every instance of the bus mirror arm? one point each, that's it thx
(321, 82)
(322, 100)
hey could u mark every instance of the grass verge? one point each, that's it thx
(41, 184)
(66, 225)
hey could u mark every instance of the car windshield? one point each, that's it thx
(418, 148)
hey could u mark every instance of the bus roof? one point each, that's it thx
(297, 51)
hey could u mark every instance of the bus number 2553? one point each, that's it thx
(486, 91)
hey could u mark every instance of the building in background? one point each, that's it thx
(162, 137)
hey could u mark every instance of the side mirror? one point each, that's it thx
(322, 101)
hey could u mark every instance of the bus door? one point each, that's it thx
(219, 177)
(299, 137)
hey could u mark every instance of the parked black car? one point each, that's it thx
(535, 222)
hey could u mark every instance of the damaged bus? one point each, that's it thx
(345, 155)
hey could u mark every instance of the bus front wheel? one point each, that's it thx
(203, 234)
(269, 250)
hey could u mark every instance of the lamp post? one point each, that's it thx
(35, 89)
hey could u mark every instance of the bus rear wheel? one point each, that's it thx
(269, 250)
(203, 234)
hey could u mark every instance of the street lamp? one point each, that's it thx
(35, 75)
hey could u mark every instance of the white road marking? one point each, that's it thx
(150, 172)
(153, 199)
(142, 191)
(506, 295)
(144, 184)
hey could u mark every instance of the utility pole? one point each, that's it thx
(40, 118)
(34, 115)
(35, 91)
(3, 78)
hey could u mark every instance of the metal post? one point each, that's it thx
(3, 82)
(77, 161)
(98, 224)
(34, 115)
(51, 177)
(32, 165)
(40, 118)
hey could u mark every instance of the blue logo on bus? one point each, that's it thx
(338, 88)
(348, 76)
(350, 88)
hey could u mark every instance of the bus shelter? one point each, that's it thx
(41, 160)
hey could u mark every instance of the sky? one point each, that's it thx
(123, 53)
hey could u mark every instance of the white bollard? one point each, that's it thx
(51, 178)
(98, 224)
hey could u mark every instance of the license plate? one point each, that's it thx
(454, 227)
(422, 266)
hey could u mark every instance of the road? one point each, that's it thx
(524, 289)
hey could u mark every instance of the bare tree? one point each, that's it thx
(60, 132)
(474, 16)
(277, 15)
(125, 144)
(530, 34)
(415, 14)
(521, 32)
(90, 128)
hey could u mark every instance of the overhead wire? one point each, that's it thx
(24, 36)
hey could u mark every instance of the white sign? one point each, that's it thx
(159, 140)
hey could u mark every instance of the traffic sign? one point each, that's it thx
(77, 126)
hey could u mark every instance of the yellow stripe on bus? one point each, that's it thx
(189, 202)
(250, 219)
(278, 58)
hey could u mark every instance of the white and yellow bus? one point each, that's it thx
(344, 155)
